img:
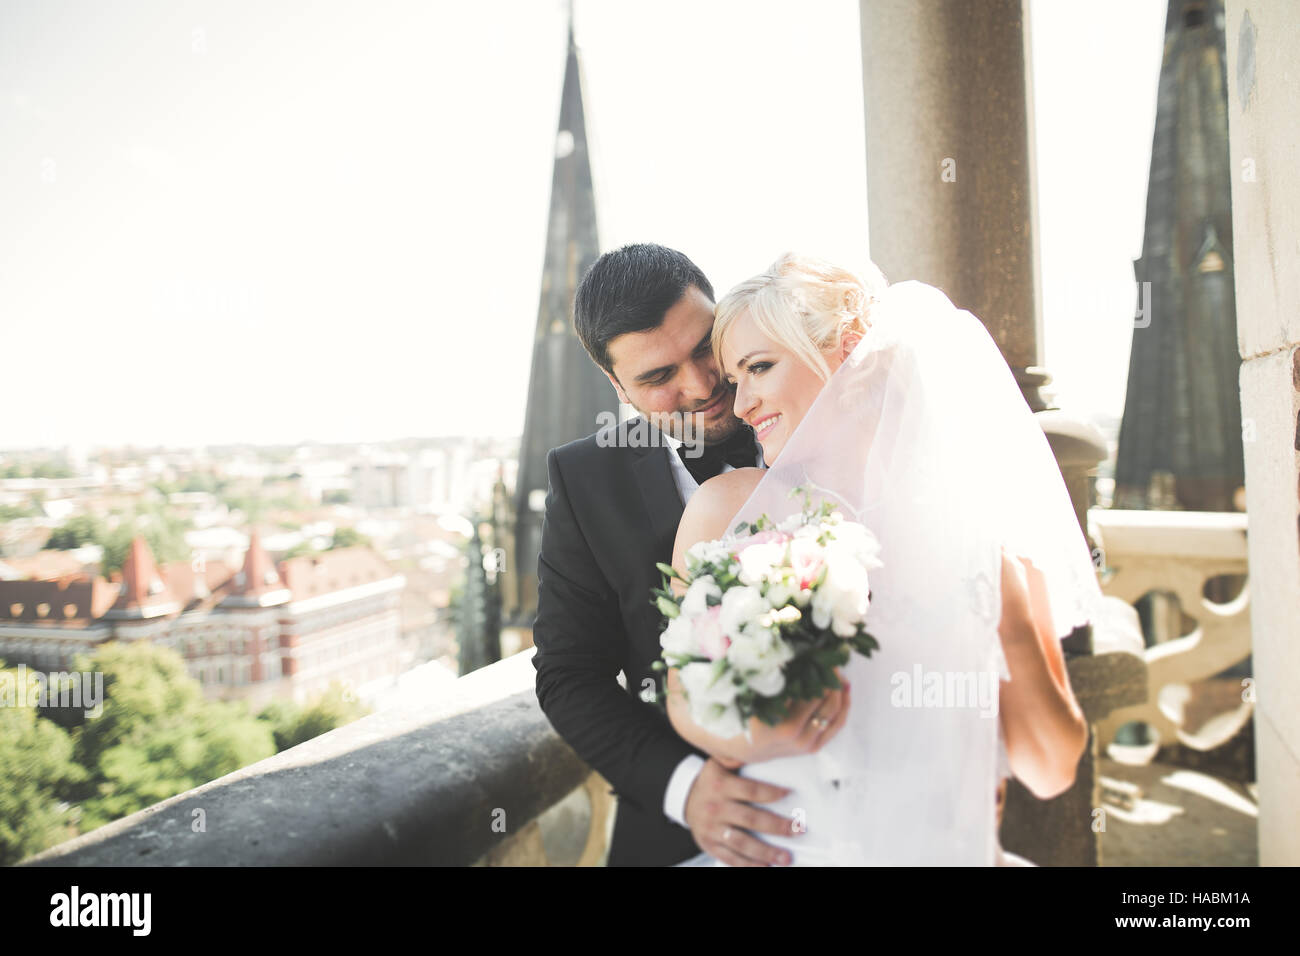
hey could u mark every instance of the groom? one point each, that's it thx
(644, 314)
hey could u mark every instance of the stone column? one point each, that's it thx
(950, 161)
(1263, 132)
(951, 200)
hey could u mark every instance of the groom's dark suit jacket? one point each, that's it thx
(611, 512)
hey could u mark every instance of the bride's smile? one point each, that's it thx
(775, 386)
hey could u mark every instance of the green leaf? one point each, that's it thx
(667, 608)
(669, 570)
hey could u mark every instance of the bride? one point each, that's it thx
(899, 409)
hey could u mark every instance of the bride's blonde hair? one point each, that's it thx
(803, 303)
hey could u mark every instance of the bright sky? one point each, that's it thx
(325, 220)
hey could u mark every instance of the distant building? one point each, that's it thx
(49, 564)
(259, 631)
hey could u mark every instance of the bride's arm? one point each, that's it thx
(705, 519)
(1044, 727)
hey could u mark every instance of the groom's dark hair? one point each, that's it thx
(630, 290)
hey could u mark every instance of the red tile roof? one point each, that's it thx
(45, 565)
(258, 576)
(310, 575)
(142, 584)
(69, 602)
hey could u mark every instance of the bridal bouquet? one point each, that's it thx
(767, 615)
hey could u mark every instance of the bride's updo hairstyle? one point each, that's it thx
(803, 303)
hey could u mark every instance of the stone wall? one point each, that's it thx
(1264, 141)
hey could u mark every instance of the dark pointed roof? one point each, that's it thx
(1180, 437)
(566, 391)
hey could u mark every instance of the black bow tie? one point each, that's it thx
(739, 450)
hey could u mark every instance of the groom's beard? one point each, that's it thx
(687, 425)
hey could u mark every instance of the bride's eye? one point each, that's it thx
(758, 368)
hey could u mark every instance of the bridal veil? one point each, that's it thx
(923, 436)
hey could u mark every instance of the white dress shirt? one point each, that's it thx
(683, 778)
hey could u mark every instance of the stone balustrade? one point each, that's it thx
(1178, 552)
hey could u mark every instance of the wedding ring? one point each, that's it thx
(726, 834)
(821, 723)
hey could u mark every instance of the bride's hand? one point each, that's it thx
(805, 730)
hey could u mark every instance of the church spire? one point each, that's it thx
(1180, 440)
(566, 392)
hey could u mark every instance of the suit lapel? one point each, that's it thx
(663, 506)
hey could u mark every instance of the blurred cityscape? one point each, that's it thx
(354, 555)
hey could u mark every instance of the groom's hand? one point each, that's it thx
(719, 813)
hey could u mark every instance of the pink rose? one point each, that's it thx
(708, 634)
(763, 537)
(806, 561)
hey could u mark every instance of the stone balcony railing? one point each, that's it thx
(1178, 553)
(476, 777)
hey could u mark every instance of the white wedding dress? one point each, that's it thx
(923, 436)
(825, 846)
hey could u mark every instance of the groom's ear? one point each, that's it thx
(617, 387)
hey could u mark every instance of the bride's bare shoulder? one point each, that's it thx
(708, 514)
(731, 489)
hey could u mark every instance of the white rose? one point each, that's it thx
(792, 524)
(841, 602)
(696, 601)
(679, 637)
(700, 686)
(707, 552)
(758, 658)
(712, 701)
(758, 560)
(721, 720)
(808, 531)
(769, 683)
(741, 609)
(781, 589)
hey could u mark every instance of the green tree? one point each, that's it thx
(200, 481)
(292, 725)
(158, 736)
(12, 512)
(163, 532)
(76, 532)
(348, 538)
(35, 765)
(52, 469)
(298, 550)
